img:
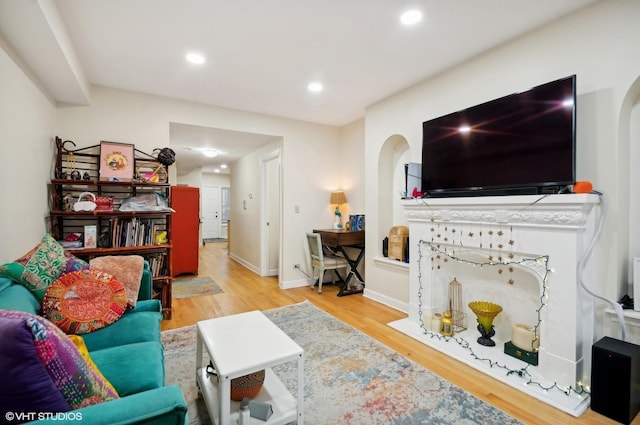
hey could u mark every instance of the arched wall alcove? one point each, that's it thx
(628, 204)
(393, 155)
(629, 133)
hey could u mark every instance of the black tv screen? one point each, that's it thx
(520, 143)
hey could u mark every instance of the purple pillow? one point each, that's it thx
(41, 369)
(25, 381)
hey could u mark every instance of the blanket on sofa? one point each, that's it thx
(126, 268)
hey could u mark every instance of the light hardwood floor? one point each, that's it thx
(246, 291)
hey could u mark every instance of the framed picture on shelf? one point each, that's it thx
(116, 161)
(90, 239)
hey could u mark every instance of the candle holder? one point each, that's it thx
(485, 312)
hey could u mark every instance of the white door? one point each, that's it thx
(270, 255)
(210, 212)
(273, 214)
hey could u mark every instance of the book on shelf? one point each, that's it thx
(157, 264)
(132, 232)
(90, 236)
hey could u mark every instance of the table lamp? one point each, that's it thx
(338, 198)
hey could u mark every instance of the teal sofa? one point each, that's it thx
(129, 353)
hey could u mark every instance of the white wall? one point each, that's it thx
(194, 178)
(214, 179)
(310, 169)
(27, 123)
(351, 157)
(598, 44)
(246, 203)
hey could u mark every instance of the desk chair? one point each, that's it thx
(323, 262)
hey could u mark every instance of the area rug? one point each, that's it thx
(350, 378)
(185, 288)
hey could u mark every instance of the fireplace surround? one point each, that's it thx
(520, 252)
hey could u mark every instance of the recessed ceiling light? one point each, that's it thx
(195, 58)
(315, 87)
(223, 166)
(210, 153)
(411, 17)
(217, 170)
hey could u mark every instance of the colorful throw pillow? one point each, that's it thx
(78, 341)
(84, 301)
(42, 265)
(73, 263)
(42, 370)
(12, 270)
(126, 268)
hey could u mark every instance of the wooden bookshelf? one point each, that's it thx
(118, 232)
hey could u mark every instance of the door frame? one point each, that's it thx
(264, 229)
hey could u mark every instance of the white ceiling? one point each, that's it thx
(260, 55)
(188, 141)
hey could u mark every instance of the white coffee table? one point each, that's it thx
(241, 344)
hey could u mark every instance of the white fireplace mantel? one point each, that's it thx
(555, 228)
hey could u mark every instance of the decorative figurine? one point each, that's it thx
(338, 222)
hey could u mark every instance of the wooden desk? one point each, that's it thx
(340, 239)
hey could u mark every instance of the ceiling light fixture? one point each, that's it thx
(315, 87)
(195, 58)
(210, 153)
(411, 17)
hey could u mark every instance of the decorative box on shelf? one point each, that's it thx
(530, 357)
(398, 236)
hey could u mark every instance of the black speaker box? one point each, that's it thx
(615, 379)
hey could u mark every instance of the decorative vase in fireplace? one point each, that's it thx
(485, 312)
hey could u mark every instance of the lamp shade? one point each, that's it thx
(338, 197)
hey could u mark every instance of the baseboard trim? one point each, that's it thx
(298, 283)
(386, 300)
(245, 263)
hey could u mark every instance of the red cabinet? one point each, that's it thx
(185, 229)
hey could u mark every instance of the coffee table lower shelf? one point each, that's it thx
(273, 392)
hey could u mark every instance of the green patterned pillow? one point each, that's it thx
(12, 270)
(41, 266)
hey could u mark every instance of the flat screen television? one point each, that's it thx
(523, 143)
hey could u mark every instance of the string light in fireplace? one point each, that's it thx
(451, 238)
(534, 263)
